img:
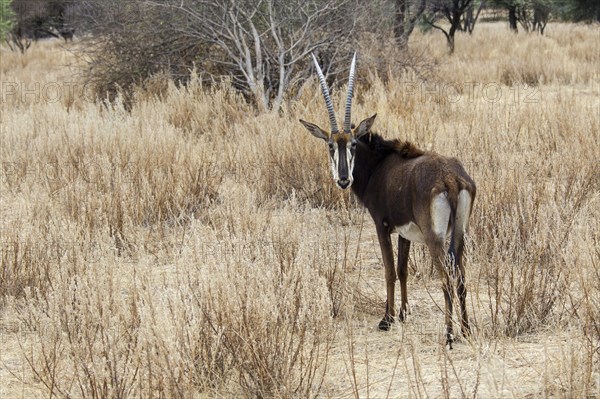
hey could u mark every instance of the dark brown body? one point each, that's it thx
(398, 183)
(422, 196)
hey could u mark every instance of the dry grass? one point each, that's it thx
(190, 247)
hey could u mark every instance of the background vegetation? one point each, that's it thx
(6, 17)
(178, 241)
(259, 47)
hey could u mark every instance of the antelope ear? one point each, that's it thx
(364, 127)
(315, 130)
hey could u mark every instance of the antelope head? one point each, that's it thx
(342, 145)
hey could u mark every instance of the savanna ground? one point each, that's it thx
(188, 246)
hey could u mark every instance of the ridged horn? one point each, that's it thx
(328, 103)
(347, 114)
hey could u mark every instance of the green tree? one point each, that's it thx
(584, 10)
(6, 17)
(532, 15)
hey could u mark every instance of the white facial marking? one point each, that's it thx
(440, 216)
(335, 161)
(350, 160)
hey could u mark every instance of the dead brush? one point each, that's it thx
(251, 337)
(25, 263)
(528, 274)
(274, 352)
(201, 250)
(273, 325)
(88, 331)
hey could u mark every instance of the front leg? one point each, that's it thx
(403, 252)
(390, 277)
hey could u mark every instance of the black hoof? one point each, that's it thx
(386, 323)
(402, 315)
(449, 340)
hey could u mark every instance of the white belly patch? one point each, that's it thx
(411, 232)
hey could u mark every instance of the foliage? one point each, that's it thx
(582, 10)
(37, 18)
(533, 15)
(6, 17)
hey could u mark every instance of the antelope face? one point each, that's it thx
(342, 149)
(342, 144)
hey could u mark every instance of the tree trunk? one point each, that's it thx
(472, 17)
(456, 14)
(512, 18)
(450, 36)
(541, 13)
(468, 20)
(450, 40)
(404, 21)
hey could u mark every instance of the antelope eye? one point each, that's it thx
(353, 144)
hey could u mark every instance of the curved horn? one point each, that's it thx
(328, 103)
(347, 121)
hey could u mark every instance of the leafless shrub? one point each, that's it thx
(94, 338)
(263, 47)
(25, 263)
(529, 278)
(268, 334)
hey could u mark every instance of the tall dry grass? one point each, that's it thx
(188, 246)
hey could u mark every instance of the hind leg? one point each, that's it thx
(457, 246)
(437, 252)
(462, 298)
(436, 237)
(455, 255)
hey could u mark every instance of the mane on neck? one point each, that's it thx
(381, 148)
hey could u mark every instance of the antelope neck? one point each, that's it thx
(366, 161)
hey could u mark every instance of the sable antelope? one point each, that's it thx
(422, 196)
